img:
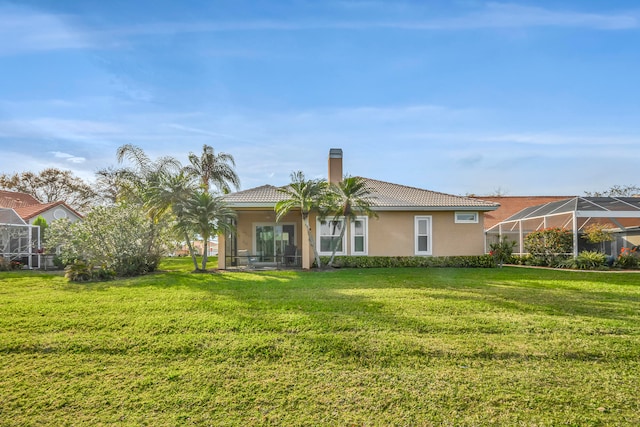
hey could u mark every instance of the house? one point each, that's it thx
(510, 205)
(29, 208)
(410, 222)
(620, 215)
(20, 240)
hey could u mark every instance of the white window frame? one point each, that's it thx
(429, 234)
(319, 237)
(365, 235)
(467, 221)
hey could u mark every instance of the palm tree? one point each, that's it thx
(213, 168)
(172, 192)
(206, 215)
(348, 199)
(139, 181)
(306, 195)
(136, 181)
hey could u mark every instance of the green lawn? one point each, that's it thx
(455, 347)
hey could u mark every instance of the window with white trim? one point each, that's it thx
(359, 236)
(423, 235)
(466, 217)
(329, 235)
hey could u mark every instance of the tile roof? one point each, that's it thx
(385, 196)
(28, 212)
(510, 205)
(13, 199)
(28, 206)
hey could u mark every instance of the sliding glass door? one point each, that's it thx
(273, 241)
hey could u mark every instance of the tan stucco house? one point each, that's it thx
(410, 222)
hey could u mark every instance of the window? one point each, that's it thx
(359, 236)
(329, 236)
(466, 217)
(423, 235)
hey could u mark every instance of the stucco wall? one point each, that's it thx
(390, 234)
(50, 215)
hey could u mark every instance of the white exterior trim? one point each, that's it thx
(429, 234)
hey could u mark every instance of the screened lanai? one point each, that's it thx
(619, 215)
(19, 241)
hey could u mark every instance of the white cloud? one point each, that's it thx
(24, 29)
(69, 157)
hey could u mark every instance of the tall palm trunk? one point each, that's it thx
(192, 252)
(205, 252)
(305, 220)
(334, 248)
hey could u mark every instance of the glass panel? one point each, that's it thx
(359, 228)
(466, 217)
(423, 243)
(358, 244)
(265, 242)
(422, 226)
(326, 244)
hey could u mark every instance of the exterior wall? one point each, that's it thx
(390, 234)
(50, 215)
(393, 234)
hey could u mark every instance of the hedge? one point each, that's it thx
(471, 261)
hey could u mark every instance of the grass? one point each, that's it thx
(425, 347)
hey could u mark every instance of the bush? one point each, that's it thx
(590, 260)
(472, 261)
(119, 237)
(502, 250)
(549, 247)
(79, 271)
(6, 265)
(628, 258)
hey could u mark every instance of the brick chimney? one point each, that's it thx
(335, 165)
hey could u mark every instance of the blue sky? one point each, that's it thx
(529, 98)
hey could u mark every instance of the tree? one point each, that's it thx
(118, 238)
(207, 215)
(52, 185)
(173, 192)
(213, 168)
(307, 196)
(597, 233)
(109, 185)
(138, 182)
(616, 191)
(42, 223)
(347, 200)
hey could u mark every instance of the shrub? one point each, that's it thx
(597, 234)
(502, 250)
(79, 271)
(119, 237)
(6, 265)
(628, 258)
(471, 261)
(549, 246)
(590, 260)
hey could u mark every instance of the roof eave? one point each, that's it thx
(435, 208)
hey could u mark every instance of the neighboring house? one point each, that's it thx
(29, 208)
(410, 222)
(620, 215)
(20, 240)
(510, 205)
